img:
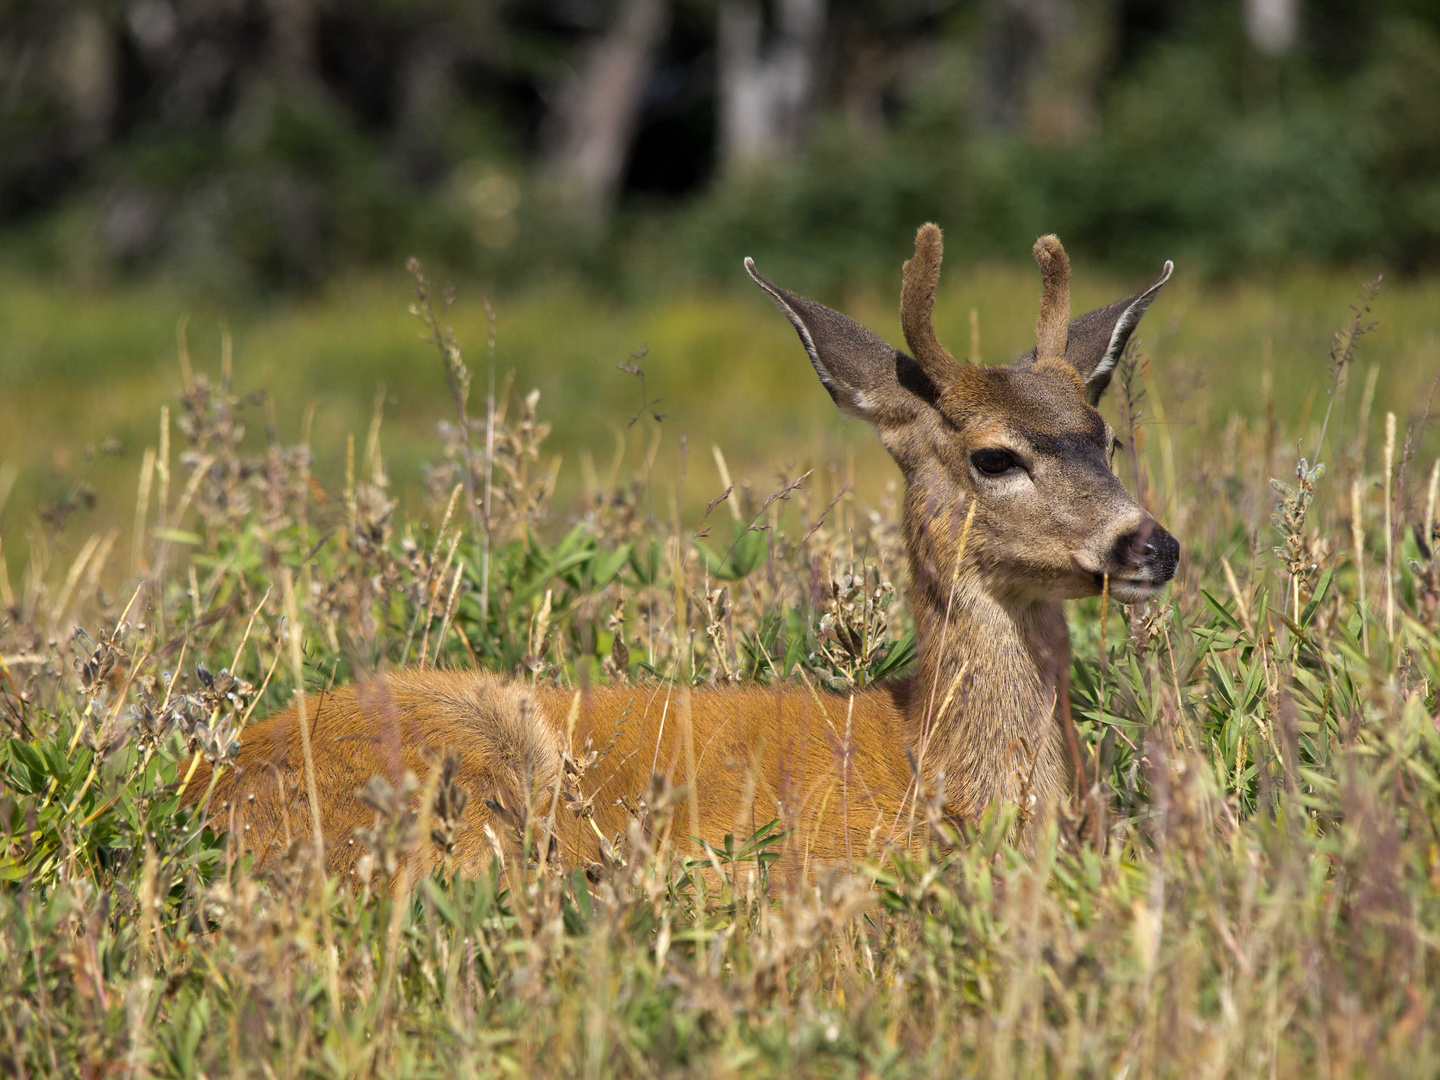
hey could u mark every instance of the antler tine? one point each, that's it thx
(917, 303)
(1052, 328)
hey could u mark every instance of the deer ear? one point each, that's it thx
(864, 374)
(1098, 338)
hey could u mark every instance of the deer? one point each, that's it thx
(1010, 507)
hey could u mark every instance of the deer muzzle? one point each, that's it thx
(1143, 560)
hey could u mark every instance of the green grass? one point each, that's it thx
(1263, 894)
(76, 370)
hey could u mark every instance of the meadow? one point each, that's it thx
(1248, 882)
(80, 369)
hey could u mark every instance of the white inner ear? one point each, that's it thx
(850, 400)
(1125, 324)
(795, 321)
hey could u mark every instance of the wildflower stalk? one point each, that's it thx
(1389, 531)
(489, 464)
(292, 615)
(457, 376)
(1357, 540)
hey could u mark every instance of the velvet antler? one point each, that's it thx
(1052, 328)
(917, 303)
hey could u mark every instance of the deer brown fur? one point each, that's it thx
(1010, 508)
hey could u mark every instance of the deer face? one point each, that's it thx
(1052, 520)
(1022, 446)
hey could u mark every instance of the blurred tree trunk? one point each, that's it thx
(1271, 25)
(292, 39)
(86, 68)
(767, 91)
(1040, 65)
(427, 95)
(593, 123)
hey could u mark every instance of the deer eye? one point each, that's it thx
(994, 462)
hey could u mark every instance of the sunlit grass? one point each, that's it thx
(1262, 741)
(77, 369)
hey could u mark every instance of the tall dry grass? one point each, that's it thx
(1261, 749)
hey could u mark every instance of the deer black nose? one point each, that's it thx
(1150, 550)
(1162, 551)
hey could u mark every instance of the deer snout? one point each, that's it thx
(1147, 553)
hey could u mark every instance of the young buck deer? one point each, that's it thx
(1010, 508)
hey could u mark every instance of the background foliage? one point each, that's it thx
(239, 144)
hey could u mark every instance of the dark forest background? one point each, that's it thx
(244, 146)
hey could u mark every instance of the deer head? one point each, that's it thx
(1023, 445)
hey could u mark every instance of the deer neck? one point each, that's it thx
(983, 704)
